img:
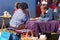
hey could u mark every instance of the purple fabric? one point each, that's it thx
(54, 26)
(47, 28)
(44, 27)
(32, 25)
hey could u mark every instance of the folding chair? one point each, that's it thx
(4, 35)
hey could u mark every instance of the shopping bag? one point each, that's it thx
(27, 36)
(4, 35)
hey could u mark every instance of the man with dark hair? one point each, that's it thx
(24, 5)
(19, 18)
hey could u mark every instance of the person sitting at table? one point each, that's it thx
(17, 7)
(19, 19)
(46, 13)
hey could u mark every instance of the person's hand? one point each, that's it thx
(37, 18)
(42, 11)
(33, 19)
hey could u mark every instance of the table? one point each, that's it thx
(42, 26)
(3, 20)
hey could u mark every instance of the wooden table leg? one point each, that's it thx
(3, 23)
